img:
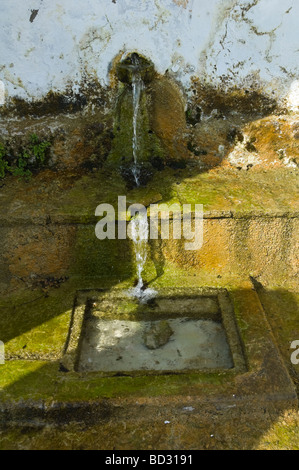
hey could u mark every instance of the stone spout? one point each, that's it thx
(132, 64)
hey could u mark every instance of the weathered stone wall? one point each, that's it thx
(54, 46)
(223, 68)
(233, 248)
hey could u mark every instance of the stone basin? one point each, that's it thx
(114, 333)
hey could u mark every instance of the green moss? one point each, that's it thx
(79, 203)
(149, 144)
(37, 380)
(285, 327)
(35, 323)
(32, 157)
(238, 192)
(239, 305)
(283, 435)
(41, 322)
(46, 341)
(241, 193)
(43, 328)
(100, 258)
(27, 379)
(150, 386)
(3, 162)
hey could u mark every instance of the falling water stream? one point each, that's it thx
(139, 235)
(137, 86)
(139, 223)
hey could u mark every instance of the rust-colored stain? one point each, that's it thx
(181, 3)
(112, 71)
(168, 116)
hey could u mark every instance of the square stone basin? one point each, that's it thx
(179, 330)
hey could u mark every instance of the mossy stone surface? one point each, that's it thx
(149, 146)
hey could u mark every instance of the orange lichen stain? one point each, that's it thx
(181, 3)
(210, 160)
(112, 72)
(274, 139)
(174, 252)
(208, 136)
(213, 255)
(167, 115)
(39, 251)
(216, 234)
(269, 142)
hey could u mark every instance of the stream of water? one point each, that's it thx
(139, 223)
(139, 235)
(137, 85)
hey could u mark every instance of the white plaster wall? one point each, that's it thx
(239, 39)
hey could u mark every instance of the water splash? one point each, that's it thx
(139, 234)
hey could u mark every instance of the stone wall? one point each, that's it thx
(58, 46)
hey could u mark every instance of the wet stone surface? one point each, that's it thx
(175, 344)
(158, 334)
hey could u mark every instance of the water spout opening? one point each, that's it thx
(133, 64)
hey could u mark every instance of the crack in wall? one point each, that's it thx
(254, 29)
(223, 14)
